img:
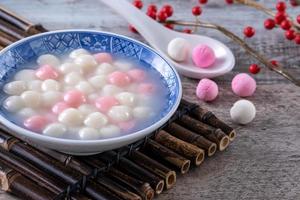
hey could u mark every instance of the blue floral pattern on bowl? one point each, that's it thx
(13, 58)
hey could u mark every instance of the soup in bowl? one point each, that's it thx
(84, 92)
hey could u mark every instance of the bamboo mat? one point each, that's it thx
(138, 171)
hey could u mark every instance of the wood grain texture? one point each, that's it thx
(263, 162)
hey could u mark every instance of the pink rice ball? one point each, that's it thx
(146, 88)
(36, 123)
(207, 90)
(105, 103)
(60, 107)
(243, 85)
(137, 75)
(74, 98)
(119, 78)
(103, 57)
(46, 72)
(203, 56)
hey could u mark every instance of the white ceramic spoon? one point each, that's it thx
(158, 36)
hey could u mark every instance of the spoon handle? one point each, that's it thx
(145, 25)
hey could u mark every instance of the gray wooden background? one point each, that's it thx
(264, 161)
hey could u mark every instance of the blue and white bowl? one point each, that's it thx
(27, 50)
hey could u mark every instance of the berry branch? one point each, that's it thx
(279, 19)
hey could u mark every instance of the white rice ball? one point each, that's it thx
(88, 133)
(15, 87)
(13, 103)
(142, 112)
(120, 113)
(48, 59)
(73, 78)
(95, 120)
(71, 117)
(92, 97)
(87, 109)
(110, 90)
(50, 85)
(68, 67)
(110, 131)
(35, 85)
(25, 75)
(144, 100)
(27, 112)
(78, 52)
(31, 98)
(86, 63)
(123, 66)
(242, 112)
(50, 98)
(98, 81)
(68, 88)
(85, 87)
(178, 49)
(127, 98)
(105, 68)
(55, 130)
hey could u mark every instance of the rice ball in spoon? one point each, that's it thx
(178, 49)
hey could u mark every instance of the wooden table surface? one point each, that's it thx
(263, 162)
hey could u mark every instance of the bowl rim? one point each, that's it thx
(30, 134)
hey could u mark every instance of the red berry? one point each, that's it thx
(187, 30)
(297, 39)
(132, 29)
(279, 17)
(290, 34)
(203, 1)
(138, 4)
(196, 10)
(167, 9)
(280, 6)
(298, 19)
(274, 63)
(254, 69)
(151, 14)
(162, 16)
(286, 24)
(269, 24)
(249, 31)
(294, 2)
(229, 1)
(152, 8)
(170, 26)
